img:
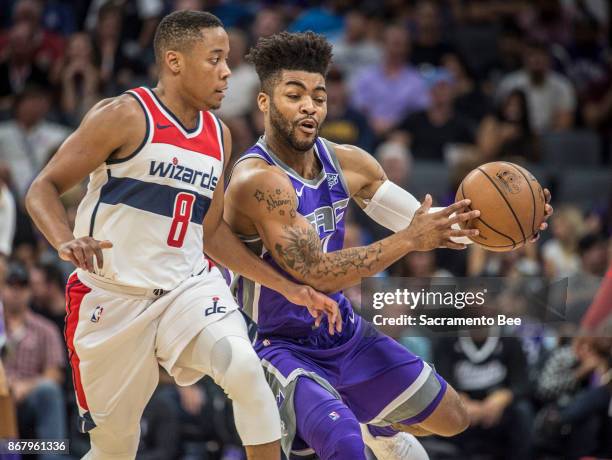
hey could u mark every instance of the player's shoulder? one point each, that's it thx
(117, 111)
(351, 157)
(252, 173)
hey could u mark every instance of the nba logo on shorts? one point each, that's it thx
(95, 316)
(334, 415)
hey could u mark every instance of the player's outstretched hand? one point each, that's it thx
(317, 304)
(81, 252)
(433, 230)
(548, 211)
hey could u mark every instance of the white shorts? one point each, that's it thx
(117, 338)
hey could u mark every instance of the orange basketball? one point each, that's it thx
(511, 204)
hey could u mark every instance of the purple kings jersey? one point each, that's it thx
(323, 201)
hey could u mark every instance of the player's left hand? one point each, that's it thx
(317, 304)
(548, 211)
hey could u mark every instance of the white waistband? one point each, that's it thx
(102, 283)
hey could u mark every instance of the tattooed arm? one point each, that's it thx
(264, 195)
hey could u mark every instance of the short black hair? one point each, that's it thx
(305, 51)
(180, 29)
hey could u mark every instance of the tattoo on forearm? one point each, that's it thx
(302, 253)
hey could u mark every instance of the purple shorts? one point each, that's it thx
(379, 380)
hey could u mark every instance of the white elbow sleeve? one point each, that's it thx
(393, 208)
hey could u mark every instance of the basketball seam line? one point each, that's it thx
(508, 204)
(533, 230)
(493, 246)
(495, 230)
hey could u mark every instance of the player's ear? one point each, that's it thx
(263, 102)
(174, 61)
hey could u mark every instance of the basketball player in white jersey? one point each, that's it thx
(143, 293)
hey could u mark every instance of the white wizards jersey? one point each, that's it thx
(151, 205)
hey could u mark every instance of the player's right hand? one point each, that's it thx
(429, 231)
(81, 252)
(318, 305)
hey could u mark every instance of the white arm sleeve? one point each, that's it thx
(393, 208)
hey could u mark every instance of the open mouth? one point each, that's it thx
(308, 126)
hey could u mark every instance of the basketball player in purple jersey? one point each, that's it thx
(143, 294)
(287, 199)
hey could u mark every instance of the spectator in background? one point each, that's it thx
(243, 85)
(48, 47)
(396, 160)
(18, 68)
(268, 21)
(207, 421)
(241, 95)
(550, 96)
(387, 92)
(48, 293)
(34, 363)
(600, 309)
(546, 21)
(598, 10)
(146, 12)
(25, 142)
(585, 61)
(354, 50)
(80, 79)
(61, 17)
(507, 134)
(583, 417)
(488, 371)
(344, 125)
(323, 18)
(582, 286)
(509, 53)
(560, 254)
(8, 427)
(470, 100)
(419, 265)
(432, 131)
(182, 5)
(160, 426)
(429, 47)
(7, 220)
(107, 35)
(596, 107)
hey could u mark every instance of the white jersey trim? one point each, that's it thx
(219, 137)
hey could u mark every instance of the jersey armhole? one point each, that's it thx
(148, 131)
(331, 155)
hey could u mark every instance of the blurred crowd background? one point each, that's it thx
(431, 89)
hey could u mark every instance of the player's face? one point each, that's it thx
(298, 107)
(206, 70)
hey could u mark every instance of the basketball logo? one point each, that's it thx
(509, 181)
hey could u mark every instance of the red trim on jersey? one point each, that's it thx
(165, 130)
(75, 291)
